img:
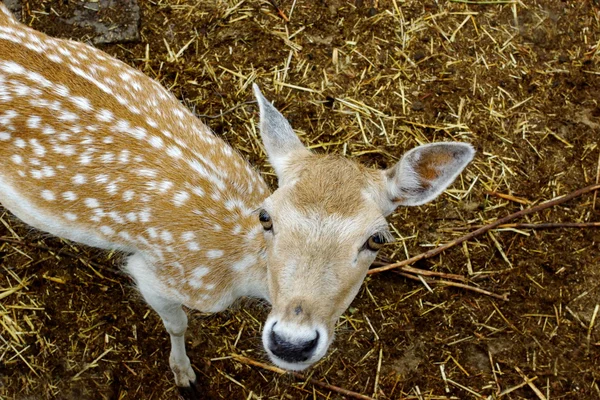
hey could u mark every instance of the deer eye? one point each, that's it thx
(265, 220)
(375, 242)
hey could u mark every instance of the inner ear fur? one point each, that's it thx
(425, 172)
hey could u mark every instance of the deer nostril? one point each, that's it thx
(308, 347)
(292, 351)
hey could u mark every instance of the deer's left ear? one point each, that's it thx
(424, 172)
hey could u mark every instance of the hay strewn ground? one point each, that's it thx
(369, 79)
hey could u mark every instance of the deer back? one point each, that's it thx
(95, 151)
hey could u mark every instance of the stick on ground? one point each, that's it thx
(543, 225)
(342, 391)
(484, 229)
(457, 284)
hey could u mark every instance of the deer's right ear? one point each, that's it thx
(279, 139)
(424, 173)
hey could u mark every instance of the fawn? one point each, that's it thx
(94, 151)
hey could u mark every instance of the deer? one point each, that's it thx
(96, 152)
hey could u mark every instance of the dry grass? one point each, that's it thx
(368, 79)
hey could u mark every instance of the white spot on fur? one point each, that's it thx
(214, 253)
(112, 188)
(48, 195)
(105, 115)
(166, 236)
(180, 198)
(85, 159)
(70, 216)
(192, 246)
(61, 90)
(151, 122)
(107, 158)
(82, 103)
(198, 191)
(197, 275)
(47, 172)
(124, 156)
(128, 195)
(164, 186)
(146, 172)
(6, 118)
(116, 217)
(152, 232)
(67, 150)
(12, 67)
(131, 216)
(101, 178)
(33, 122)
(79, 179)
(138, 132)
(156, 142)
(55, 58)
(70, 196)
(91, 203)
(68, 116)
(244, 263)
(38, 149)
(125, 235)
(174, 151)
(17, 159)
(188, 236)
(107, 230)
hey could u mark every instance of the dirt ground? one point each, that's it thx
(370, 79)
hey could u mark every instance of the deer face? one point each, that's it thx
(324, 226)
(323, 230)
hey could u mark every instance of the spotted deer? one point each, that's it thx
(94, 151)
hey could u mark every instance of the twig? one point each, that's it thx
(279, 11)
(507, 197)
(484, 229)
(530, 383)
(519, 386)
(93, 364)
(545, 225)
(589, 332)
(597, 182)
(226, 111)
(456, 284)
(484, 2)
(412, 270)
(345, 392)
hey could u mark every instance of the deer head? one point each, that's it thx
(324, 225)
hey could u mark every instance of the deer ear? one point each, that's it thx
(424, 172)
(279, 139)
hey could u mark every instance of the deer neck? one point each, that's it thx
(253, 280)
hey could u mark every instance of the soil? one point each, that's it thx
(370, 79)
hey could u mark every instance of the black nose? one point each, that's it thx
(292, 351)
